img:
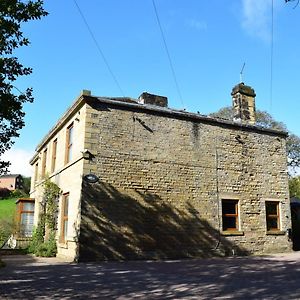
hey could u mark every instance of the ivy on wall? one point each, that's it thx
(43, 239)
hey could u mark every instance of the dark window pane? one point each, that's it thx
(229, 223)
(272, 223)
(229, 207)
(271, 208)
(272, 215)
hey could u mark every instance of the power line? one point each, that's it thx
(168, 53)
(99, 48)
(271, 54)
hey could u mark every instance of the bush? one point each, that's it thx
(7, 227)
(47, 249)
(38, 246)
(4, 193)
(37, 238)
(18, 194)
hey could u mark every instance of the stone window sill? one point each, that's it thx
(63, 245)
(276, 232)
(232, 233)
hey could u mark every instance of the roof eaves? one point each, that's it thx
(189, 115)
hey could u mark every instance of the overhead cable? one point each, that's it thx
(168, 53)
(271, 54)
(99, 48)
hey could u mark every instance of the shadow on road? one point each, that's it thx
(239, 277)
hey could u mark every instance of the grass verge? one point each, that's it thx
(7, 208)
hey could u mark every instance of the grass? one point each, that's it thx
(7, 214)
(7, 208)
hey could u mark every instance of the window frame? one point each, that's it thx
(64, 217)
(236, 215)
(69, 143)
(44, 163)
(36, 172)
(53, 158)
(273, 216)
(22, 211)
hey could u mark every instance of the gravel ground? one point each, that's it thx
(256, 277)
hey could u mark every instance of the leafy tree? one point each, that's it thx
(265, 120)
(12, 14)
(26, 184)
(294, 186)
(297, 2)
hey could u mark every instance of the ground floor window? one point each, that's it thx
(272, 215)
(64, 218)
(25, 216)
(230, 214)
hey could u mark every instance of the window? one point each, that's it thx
(272, 215)
(36, 169)
(69, 143)
(26, 214)
(44, 163)
(230, 215)
(64, 218)
(53, 161)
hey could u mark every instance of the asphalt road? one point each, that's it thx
(268, 277)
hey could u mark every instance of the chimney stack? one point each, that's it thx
(146, 98)
(243, 101)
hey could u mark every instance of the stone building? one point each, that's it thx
(140, 180)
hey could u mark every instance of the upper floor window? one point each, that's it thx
(272, 215)
(44, 163)
(54, 150)
(230, 214)
(36, 170)
(69, 143)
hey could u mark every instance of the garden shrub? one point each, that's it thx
(43, 239)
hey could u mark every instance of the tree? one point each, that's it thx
(265, 120)
(297, 2)
(294, 186)
(26, 184)
(12, 14)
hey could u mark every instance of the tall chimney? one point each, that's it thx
(243, 101)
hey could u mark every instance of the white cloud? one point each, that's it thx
(19, 159)
(257, 18)
(196, 24)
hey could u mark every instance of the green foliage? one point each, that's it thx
(37, 236)
(48, 248)
(294, 186)
(7, 227)
(44, 244)
(26, 184)
(18, 194)
(51, 194)
(13, 13)
(265, 120)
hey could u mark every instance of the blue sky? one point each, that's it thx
(208, 43)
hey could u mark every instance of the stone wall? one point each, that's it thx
(162, 180)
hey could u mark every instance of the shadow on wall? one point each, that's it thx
(119, 225)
